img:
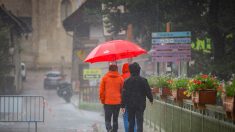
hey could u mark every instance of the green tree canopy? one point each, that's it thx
(204, 18)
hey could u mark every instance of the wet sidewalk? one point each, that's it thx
(101, 127)
(59, 115)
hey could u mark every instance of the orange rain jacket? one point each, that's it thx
(111, 88)
(125, 71)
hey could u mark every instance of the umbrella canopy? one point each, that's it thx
(114, 50)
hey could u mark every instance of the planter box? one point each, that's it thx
(165, 92)
(228, 104)
(204, 97)
(229, 107)
(178, 94)
(155, 90)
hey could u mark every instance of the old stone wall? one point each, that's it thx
(22, 8)
(49, 37)
(19, 7)
(48, 41)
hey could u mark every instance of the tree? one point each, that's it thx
(205, 18)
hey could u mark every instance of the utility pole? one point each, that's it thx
(129, 35)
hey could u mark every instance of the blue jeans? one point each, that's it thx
(126, 123)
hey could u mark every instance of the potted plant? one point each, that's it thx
(203, 89)
(178, 87)
(228, 99)
(152, 80)
(163, 83)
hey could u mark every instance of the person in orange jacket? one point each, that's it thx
(110, 96)
(126, 74)
(125, 71)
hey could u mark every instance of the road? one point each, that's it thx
(59, 116)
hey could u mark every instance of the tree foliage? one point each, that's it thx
(204, 18)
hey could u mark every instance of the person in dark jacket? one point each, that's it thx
(135, 91)
(126, 74)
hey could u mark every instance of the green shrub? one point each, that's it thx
(230, 88)
(180, 82)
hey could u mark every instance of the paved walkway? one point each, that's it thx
(59, 116)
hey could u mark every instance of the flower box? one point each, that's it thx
(229, 107)
(178, 87)
(203, 89)
(165, 92)
(228, 99)
(155, 90)
(202, 97)
(160, 85)
(178, 94)
(229, 104)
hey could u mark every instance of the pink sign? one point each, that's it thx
(170, 59)
(171, 46)
(171, 52)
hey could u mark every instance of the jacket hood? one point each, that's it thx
(125, 68)
(134, 69)
(113, 74)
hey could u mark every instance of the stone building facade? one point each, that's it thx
(49, 42)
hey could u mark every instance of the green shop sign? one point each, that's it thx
(91, 74)
(204, 45)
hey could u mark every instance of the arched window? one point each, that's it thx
(66, 9)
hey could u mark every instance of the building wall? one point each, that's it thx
(48, 41)
(19, 7)
(22, 8)
(17, 59)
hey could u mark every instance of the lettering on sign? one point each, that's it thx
(171, 34)
(171, 40)
(171, 46)
(91, 74)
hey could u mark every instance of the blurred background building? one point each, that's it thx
(48, 42)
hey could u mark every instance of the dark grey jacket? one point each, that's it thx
(135, 91)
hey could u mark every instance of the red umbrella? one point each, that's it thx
(114, 50)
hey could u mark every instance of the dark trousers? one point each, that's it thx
(135, 114)
(111, 111)
(126, 122)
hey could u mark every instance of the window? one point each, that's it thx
(66, 9)
(53, 75)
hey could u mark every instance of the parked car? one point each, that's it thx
(52, 79)
(23, 71)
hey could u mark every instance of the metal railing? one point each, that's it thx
(89, 99)
(30, 109)
(89, 94)
(167, 117)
